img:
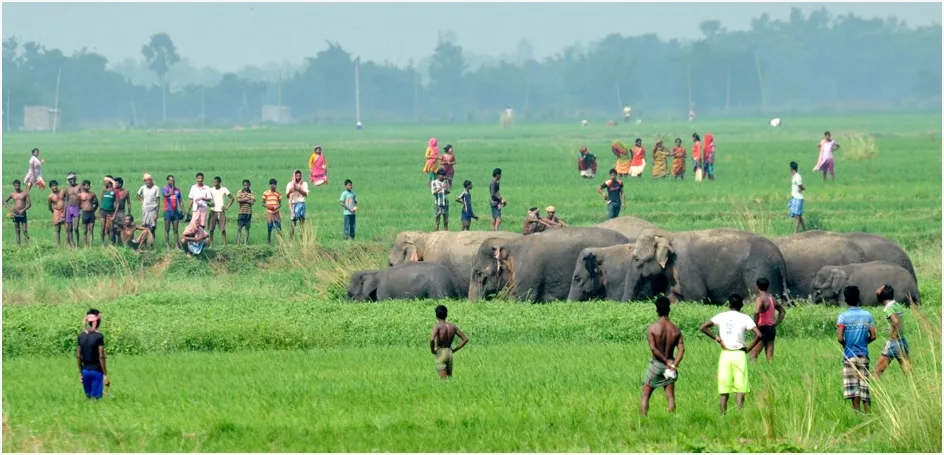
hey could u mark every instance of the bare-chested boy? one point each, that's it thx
(73, 212)
(88, 202)
(57, 206)
(440, 342)
(128, 229)
(664, 336)
(21, 203)
(122, 208)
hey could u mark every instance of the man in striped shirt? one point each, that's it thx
(272, 200)
(245, 199)
(440, 201)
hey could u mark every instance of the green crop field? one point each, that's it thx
(254, 348)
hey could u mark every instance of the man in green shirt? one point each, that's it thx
(897, 346)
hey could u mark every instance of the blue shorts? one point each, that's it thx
(796, 207)
(173, 216)
(896, 349)
(466, 216)
(274, 224)
(298, 211)
(710, 168)
(93, 382)
(196, 247)
(496, 212)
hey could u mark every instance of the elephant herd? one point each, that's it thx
(630, 259)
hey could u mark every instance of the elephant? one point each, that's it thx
(868, 277)
(806, 253)
(454, 250)
(629, 226)
(703, 266)
(534, 268)
(413, 280)
(600, 273)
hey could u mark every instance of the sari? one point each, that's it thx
(622, 158)
(678, 162)
(448, 162)
(696, 155)
(638, 163)
(660, 161)
(586, 163)
(319, 169)
(432, 159)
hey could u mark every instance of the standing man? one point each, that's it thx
(245, 199)
(466, 199)
(796, 197)
(497, 201)
(88, 202)
(440, 342)
(90, 355)
(295, 192)
(149, 196)
(440, 187)
(218, 212)
(897, 346)
(349, 204)
(614, 196)
(34, 175)
(272, 200)
(57, 206)
(122, 207)
(200, 196)
(732, 365)
(856, 329)
(764, 307)
(21, 203)
(73, 212)
(107, 210)
(172, 213)
(826, 160)
(664, 336)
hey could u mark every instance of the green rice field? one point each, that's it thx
(254, 348)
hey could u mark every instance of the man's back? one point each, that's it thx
(445, 334)
(88, 346)
(666, 337)
(856, 323)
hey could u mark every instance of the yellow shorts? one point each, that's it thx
(732, 372)
(443, 358)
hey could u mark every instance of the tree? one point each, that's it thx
(161, 54)
(445, 73)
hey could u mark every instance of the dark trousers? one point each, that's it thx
(349, 223)
(613, 209)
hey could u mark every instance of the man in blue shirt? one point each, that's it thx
(856, 331)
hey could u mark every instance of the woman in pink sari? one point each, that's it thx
(432, 159)
(318, 167)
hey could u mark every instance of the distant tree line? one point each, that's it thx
(811, 63)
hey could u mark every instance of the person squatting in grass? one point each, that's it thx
(826, 162)
(349, 204)
(664, 337)
(295, 192)
(149, 195)
(466, 199)
(497, 202)
(551, 219)
(57, 206)
(440, 342)
(34, 174)
(896, 347)
(21, 203)
(732, 364)
(128, 229)
(272, 201)
(218, 211)
(90, 356)
(855, 330)
(764, 307)
(586, 163)
(194, 237)
(439, 188)
(172, 212)
(73, 212)
(796, 197)
(614, 196)
(245, 199)
(88, 203)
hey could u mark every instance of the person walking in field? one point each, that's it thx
(497, 202)
(245, 199)
(440, 342)
(218, 211)
(439, 187)
(856, 329)
(826, 160)
(586, 163)
(318, 167)
(149, 195)
(696, 156)
(664, 337)
(21, 203)
(34, 175)
(896, 347)
(764, 307)
(57, 206)
(660, 160)
(614, 196)
(349, 205)
(201, 197)
(638, 163)
(432, 159)
(272, 200)
(90, 356)
(709, 153)
(172, 212)
(466, 199)
(73, 212)
(623, 161)
(295, 192)
(678, 160)
(88, 202)
(732, 365)
(796, 197)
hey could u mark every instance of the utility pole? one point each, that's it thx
(357, 91)
(55, 111)
(416, 96)
(202, 107)
(7, 112)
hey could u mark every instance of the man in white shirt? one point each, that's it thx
(295, 192)
(796, 197)
(200, 197)
(732, 365)
(34, 176)
(218, 211)
(149, 196)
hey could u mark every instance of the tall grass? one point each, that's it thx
(860, 147)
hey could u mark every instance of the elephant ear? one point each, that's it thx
(645, 248)
(837, 281)
(369, 287)
(591, 262)
(663, 251)
(500, 254)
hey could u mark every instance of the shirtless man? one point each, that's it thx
(73, 212)
(122, 207)
(128, 228)
(21, 203)
(440, 342)
(664, 336)
(57, 206)
(88, 202)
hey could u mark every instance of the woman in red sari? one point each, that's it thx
(448, 162)
(678, 159)
(638, 163)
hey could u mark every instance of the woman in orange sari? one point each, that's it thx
(678, 159)
(696, 154)
(318, 167)
(622, 159)
(638, 163)
(432, 159)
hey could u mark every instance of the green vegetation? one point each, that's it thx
(253, 348)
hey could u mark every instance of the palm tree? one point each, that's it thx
(161, 54)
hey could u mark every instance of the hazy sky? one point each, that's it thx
(230, 35)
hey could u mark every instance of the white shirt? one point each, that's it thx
(151, 197)
(218, 195)
(294, 196)
(826, 148)
(36, 167)
(200, 195)
(731, 327)
(796, 182)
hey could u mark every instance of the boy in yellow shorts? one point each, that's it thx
(440, 342)
(732, 365)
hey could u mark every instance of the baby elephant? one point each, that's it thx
(411, 280)
(830, 280)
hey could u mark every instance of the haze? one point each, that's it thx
(243, 34)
